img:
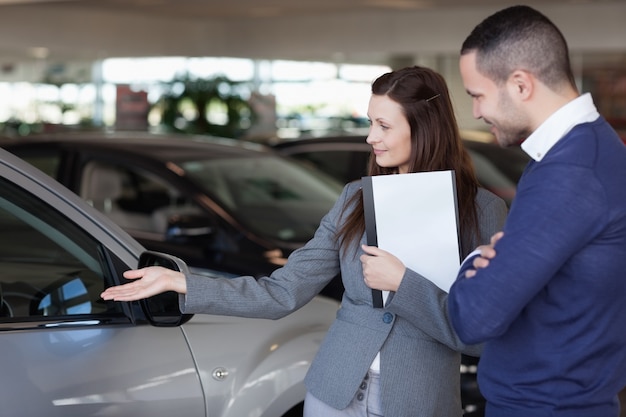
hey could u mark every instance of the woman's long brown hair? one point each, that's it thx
(435, 146)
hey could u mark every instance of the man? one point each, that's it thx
(548, 298)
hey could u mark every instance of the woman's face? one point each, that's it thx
(390, 133)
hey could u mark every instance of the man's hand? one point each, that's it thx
(487, 252)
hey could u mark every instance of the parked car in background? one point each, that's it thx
(221, 204)
(346, 158)
(66, 352)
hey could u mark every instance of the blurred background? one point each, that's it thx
(261, 70)
(268, 71)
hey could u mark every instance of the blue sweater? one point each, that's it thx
(551, 306)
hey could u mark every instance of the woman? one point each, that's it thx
(400, 360)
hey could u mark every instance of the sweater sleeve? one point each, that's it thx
(550, 220)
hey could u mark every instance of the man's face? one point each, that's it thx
(493, 104)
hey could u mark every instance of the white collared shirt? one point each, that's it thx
(580, 110)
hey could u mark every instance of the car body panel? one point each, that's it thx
(268, 364)
(98, 371)
(109, 360)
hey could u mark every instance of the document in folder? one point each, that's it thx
(415, 217)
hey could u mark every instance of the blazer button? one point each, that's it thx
(387, 317)
(360, 396)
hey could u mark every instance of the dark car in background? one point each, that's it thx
(220, 204)
(346, 157)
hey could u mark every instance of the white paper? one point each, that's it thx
(416, 220)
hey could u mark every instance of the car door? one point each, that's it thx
(63, 350)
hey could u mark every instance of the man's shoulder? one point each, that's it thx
(587, 142)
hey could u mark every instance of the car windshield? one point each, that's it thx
(275, 198)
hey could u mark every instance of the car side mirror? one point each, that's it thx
(163, 310)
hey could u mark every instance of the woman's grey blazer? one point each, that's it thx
(420, 359)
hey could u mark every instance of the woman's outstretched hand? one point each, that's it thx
(149, 281)
(381, 270)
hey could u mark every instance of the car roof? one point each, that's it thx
(352, 139)
(160, 146)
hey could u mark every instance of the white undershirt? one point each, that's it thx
(375, 366)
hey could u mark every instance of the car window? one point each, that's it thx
(339, 164)
(48, 163)
(48, 265)
(132, 197)
(274, 197)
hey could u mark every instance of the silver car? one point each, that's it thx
(66, 352)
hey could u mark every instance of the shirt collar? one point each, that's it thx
(580, 110)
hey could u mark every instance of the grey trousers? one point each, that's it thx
(366, 402)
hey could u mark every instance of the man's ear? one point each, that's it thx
(521, 84)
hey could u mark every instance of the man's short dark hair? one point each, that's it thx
(520, 38)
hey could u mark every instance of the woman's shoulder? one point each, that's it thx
(486, 197)
(490, 204)
(492, 213)
(347, 197)
(353, 186)
(350, 189)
